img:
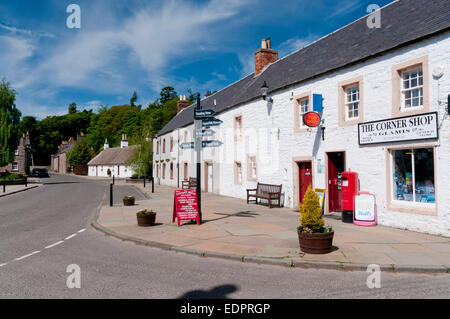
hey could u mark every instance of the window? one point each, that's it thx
(164, 171)
(237, 173)
(16, 152)
(171, 144)
(303, 108)
(186, 171)
(15, 166)
(171, 170)
(157, 170)
(352, 102)
(238, 127)
(186, 136)
(157, 147)
(413, 175)
(412, 88)
(252, 170)
(164, 145)
(302, 105)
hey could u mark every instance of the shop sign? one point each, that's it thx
(365, 209)
(312, 119)
(408, 128)
(185, 206)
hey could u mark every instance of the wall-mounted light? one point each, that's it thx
(264, 90)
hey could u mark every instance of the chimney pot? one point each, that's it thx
(264, 56)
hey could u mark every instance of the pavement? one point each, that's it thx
(13, 189)
(233, 229)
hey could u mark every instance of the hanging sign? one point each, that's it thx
(312, 119)
(365, 213)
(408, 128)
(185, 206)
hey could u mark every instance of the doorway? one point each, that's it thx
(304, 178)
(336, 166)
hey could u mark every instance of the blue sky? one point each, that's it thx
(141, 45)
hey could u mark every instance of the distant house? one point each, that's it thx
(115, 160)
(59, 163)
(22, 160)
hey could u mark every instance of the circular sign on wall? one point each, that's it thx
(312, 119)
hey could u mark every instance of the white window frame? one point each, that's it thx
(15, 167)
(16, 152)
(303, 108)
(352, 99)
(419, 88)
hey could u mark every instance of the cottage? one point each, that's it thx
(59, 163)
(23, 157)
(361, 81)
(113, 161)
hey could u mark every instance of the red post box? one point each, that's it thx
(349, 188)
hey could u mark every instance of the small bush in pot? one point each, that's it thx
(128, 200)
(314, 237)
(146, 218)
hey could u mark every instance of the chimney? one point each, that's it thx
(182, 103)
(124, 142)
(106, 145)
(264, 56)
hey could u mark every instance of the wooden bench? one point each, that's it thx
(265, 191)
(189, 184)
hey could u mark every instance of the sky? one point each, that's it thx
(144, 45)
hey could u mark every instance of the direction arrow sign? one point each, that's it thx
(201, 133)
(211, 121)
(187, 145)
(211, 143)
(199, 114)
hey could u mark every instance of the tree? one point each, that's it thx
(168, 93)
(133, 98)
(141, 161)
(9, 123)
(80, 154)
(72, 108)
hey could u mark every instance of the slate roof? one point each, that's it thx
(64, 148)
(402, 22)
(113, 156)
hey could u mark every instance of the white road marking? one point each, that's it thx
(81, 230)
(55, 244)
(26, 256)
(71, 236)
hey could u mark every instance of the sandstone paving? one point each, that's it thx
(231, 226)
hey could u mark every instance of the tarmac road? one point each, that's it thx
(44, 230)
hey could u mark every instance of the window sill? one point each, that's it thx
(413, 208)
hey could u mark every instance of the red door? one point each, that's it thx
(304, 178)
(335, 168)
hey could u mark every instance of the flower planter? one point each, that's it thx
(146, 220)
(315, 243)
(128, 201)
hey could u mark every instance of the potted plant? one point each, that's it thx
(313, 237)
(146, 218)
(128, 201)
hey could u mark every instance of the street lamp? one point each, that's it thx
(264, 90)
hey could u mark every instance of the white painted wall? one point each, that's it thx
(121, 171)
(276, 143)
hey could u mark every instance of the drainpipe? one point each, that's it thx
(178, 159)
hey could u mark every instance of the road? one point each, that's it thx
(44, 230)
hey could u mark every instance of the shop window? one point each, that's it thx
(238, 173)
(413, 175)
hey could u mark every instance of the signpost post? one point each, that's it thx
(198, 149)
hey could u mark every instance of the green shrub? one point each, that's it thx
(10, 176)
(311, 213)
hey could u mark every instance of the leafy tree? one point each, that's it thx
(133, 98)
(141, 160)
(167, 93)
(80, 154)
(9, 123)
(72, 108)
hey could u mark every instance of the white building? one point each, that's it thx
(113, 161)
(397, 76)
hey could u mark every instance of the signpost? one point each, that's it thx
(204, 132)
(211, 121)
(211, 143)
(185, 206)
(187, 145)
(200, 114)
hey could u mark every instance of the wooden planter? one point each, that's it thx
(316, 243)
(146, 220)
(128, 202)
